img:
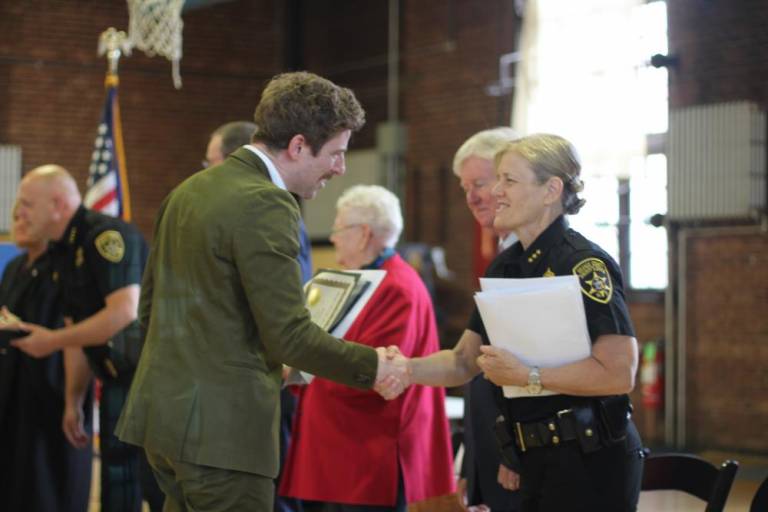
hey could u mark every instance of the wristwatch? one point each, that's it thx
(534, 381)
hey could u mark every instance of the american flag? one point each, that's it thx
(107, 178)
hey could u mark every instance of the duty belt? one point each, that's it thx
(551, 432)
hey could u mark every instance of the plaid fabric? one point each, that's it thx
(120, 479)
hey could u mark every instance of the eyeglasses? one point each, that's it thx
(344, 228)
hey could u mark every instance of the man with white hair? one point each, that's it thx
(99, 261)
(490, 480)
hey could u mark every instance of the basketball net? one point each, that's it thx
(155, 28)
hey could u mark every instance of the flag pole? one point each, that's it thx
(114, 44)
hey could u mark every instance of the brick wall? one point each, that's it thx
(51, 87)
(723, 51)
(449, 56)
(727, 339)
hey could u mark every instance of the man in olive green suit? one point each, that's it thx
(223, 306)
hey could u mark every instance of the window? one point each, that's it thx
(585, 75)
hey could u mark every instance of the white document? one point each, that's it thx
(540, 320)
(374, 277)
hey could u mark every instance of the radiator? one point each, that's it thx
(716, 161)
(10, 175)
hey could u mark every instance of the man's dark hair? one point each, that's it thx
(303, 103)
(234, 134)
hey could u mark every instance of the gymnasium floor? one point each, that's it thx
(752, 471)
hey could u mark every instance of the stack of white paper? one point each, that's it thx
(539, 320)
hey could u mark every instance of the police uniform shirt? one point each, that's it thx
(561, 251)
(96, 256)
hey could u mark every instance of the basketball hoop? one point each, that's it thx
(155, 28)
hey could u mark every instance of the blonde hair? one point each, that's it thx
(551, 156)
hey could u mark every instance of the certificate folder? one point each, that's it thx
(329, 294)
(355, 299)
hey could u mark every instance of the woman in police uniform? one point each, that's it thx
(578, 448)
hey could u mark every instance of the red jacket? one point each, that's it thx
(347, 443)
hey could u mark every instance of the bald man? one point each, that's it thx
(99, 261)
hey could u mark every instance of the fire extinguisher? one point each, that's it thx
(652, 375)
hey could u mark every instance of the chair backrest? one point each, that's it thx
(760, 501)
(691, 474)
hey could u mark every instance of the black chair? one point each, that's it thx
(690, 474)
(760, 501)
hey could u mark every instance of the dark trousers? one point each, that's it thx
(125, 477)
(39, 470)
(482, 457)
(287, 409)
(557, 478)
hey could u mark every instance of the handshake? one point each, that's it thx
(393, 374)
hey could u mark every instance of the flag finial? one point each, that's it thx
(114, 43)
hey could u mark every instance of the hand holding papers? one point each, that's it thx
(539, 320)
(10, 327)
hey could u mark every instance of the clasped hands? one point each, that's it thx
(393, 375)
(499, 365)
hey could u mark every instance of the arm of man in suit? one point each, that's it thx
(264, 250)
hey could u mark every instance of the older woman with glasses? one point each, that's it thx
(353, 450)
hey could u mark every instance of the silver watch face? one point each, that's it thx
(534, 381)
(533, 389)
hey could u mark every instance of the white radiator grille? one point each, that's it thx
(10, 174)
(716, 161)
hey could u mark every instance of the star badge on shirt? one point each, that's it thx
(595, 279)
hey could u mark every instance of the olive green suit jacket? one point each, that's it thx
(222, 303)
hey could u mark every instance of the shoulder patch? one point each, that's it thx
(595, 279)
(111, 246)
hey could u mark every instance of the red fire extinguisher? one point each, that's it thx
(652, 375)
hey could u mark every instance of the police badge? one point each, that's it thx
(110, 245)
(595, 280)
